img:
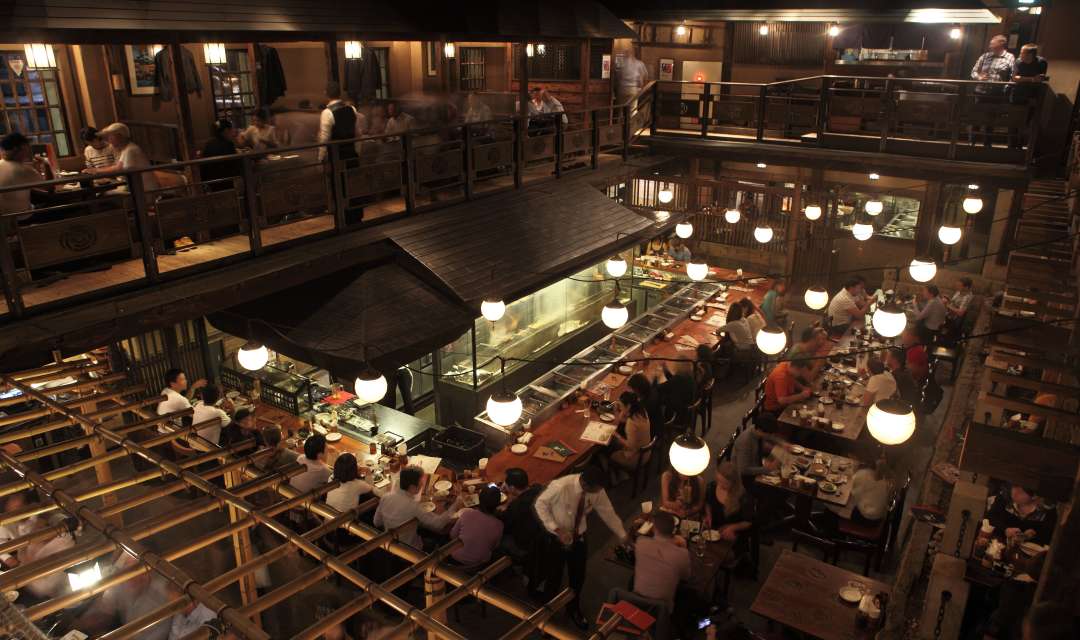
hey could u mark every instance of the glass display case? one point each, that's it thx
(532, 326)
(898, 218)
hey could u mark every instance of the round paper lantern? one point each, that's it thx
(889, 320)
(697, 270)
(370, 386)
(862, 231)
(614, 314)
(890, 421)
(874, 206)
(922, 269)
(813, 212)
(616, 267)
(763, 234)
(816, 297)
(689, 455)
(684, 230)
(252, 356)
(948, 234)
(492, 309)
(732, 215)
(504, 408)
(771, 340)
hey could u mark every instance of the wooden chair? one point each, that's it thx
(646, 455)
(875, 540)
(705, 409)
(950, 354)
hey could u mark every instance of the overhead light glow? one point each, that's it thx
(681, 30)
(252, 356)
(616, 267)
(684, 230)
(834, 30)
(541, 49)
(370, 386)
(353, 50)
(39, 56)
(665, 195)
(763, 234)
(948, 234)
(955, 33)
(875, 176)
(874, 206)
(492, 309)
(697, 270)
(972, 204)
(771, 340)
(889, 320)
(689, 455)
(84, 578)
(732, 215)
(891, 421)
(816, 297)
(214, 52)
(922, 269)
(763, 30)
(762, 165)
(813, 212)
(504, 408)
(614, 314)
(862, 231)
(529, 50)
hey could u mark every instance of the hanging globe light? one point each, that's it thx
(922, 269)
(616, 267)
(891, 421)
(972, 204)
(614, 314)
(732, 215)
(665, 195)
(492, 309)
(697, 270)
(689, 455)
(813, 212)
(889, 320)
(253, 355)
(874, 206)
(680, 30)
(370, 386)
(948, 234)
(763, 234)
(684, 230)
(771, 339)
(504, 408)
(662, 216)
(875, 176)
(816, 297)
(862, 231)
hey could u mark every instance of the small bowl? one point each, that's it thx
(519, 449)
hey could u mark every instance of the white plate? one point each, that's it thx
(837, 426)
(320, 429)
(11, 596)
(851, 595)
(443, 485)
(696, 318)
(826, 400)
(427, 507)
(333, 437)
(626, 369)
(519, 449)
(607, 417)
(797, 450)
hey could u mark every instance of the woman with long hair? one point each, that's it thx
(727, 504)
(682, 495)
(633, 434)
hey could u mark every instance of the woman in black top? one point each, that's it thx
(728, 507)
(222, 144)
(1022, 512)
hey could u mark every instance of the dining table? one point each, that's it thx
(799, 465)
(803, 593)
(568, 423)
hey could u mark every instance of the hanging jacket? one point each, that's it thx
(269, 74)
(363, 78)
(163, 73)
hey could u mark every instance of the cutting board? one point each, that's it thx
(550, 455)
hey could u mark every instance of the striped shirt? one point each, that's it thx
(97, 158)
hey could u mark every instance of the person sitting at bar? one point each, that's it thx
(649, 397)
(661, 561)
(177, 397)
(351, 489)
(563, 508)
(129, 157)
(881, 384)
(480, 530)
(847, 307)
(128, 601)
(679, 251)
(1021, 513)
(476, 110)
(678, 391)
(97, 152)
(209, 409)
(755, 319)
(957, 305)
(782, 387)
(244, 426)
(222, 143)
(397, 121)
(930, 312)
(682, 495)
(18, 166)
(261, 135)
(521, 528)
(189, 619)
(772, 305)
(918, 360)
(737, 328)
(15, 503)
(728, 506)
(314, 458)
(400, 505)
(281, 455)
(634, 432)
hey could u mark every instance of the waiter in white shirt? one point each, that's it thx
(847, 307)
(563, 508)
(341, 121)
(209, 411)
(401, 505)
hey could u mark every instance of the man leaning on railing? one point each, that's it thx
(18, 166)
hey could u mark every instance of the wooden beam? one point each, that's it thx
(330, 48)
(1060, 579)
(1049, 466)
(183, 106)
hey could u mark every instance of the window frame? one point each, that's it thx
(41, 79)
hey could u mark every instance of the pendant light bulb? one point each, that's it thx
(253, 355)
(972, 204)
(763, 30)
(834, 30)
(665, 195)
(732, 215)
(614, 314)
(862, 231)
(689, 455)
(370, 386)
(680, 30)
(504, 408)
(771, 340)
(816, 298)
(697, 271)
(684, 230)
(922, 269)
(492, 309)
(889, 320)
(616, 267)
(891, 421)
(948, 234)
(812, 212)
(763, 234)
(874, 206)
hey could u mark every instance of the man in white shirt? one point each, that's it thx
(397, 121)
(400, 505)
(563, 508)
(930, 311)
(129, 157)
(209, 411)
(958, 304)
(127, 602)
(631, 77)
(16, 168)
(847, 307)
(881, 385)
(314, 458)
(177, 394)
(190, 619)
(340, 121)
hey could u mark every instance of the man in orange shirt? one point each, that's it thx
(781, 387)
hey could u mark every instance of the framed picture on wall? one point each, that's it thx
(667, 69)
(141, 68)
(431, 58)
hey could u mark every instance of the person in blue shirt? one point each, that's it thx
(772, 304)
(679, 251)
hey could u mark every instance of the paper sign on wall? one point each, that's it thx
(667, 69)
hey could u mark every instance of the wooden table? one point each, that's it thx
(841, 498)
(853, 417)
(566, 425)
(803, 593)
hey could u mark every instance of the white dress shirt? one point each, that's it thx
(931, 313)
(9, 532)
(881, 386)
(187, 623)
(174, 401)
(557, 506)
(840, 308)
(317, 473)
(326, 126)
(203, 413)
(347, 495)
(398, 507)
(132, 158)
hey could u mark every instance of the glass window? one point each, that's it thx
(382, 54)
(32, 104)
(233, 88)
(472, 68)
(551, 61)
(898, 218)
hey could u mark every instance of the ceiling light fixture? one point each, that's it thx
(665, 195)
(763, 233)
(616, 267)
(763, 30)
(353, 50)
(834, 30)
(816, 297)
(504, 408)
(689, 455)
(812, 212)
(922, 269)
(732, 215)
(253, 355)
(214, 52)
(862, 231)
(370, 385)
(697, 271)
(492, 309)
(891, 421)
(874, 206)
(949, 234)
(889, 319)
(771, 339)
(684, 230)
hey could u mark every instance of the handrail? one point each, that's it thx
(836, 77)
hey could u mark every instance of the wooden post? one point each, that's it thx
(926, 226)
(251, 206)
(762, 109)
(706, 108)
(1008, 236)
(107, 62)
(523, 81)
(330, 47)
(241, 540)
(946, 598)
(183, 107)
(146, 236)
(886, 115)
(585, 70)
(792, 237)
(434, 590)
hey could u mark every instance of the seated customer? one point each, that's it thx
(351, 489)
(97, 152)
(772, 306)
(281, 456)
(129, 156)
(314, 458)
(209, 410)
(810, 346)
(520, 526)
(679, 251)
(871, 489)
(223, 143)
(918, 360)
(727, 504)
(17, 166)
(847, 307)
(261, 135)
(957, 305)
(634, 432)
(751, 447)
(906, 388)
(682, 495)
(1021, 512)
(678, 392)
(782, 387)
(399, 506)
(649, 398)
(881, 384)
(661, 561)
(479, 530)
(930, 312)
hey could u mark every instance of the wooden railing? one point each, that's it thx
(88, 236)
(953, 119)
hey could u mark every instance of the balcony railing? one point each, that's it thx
(90, 236)
(953, 119)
